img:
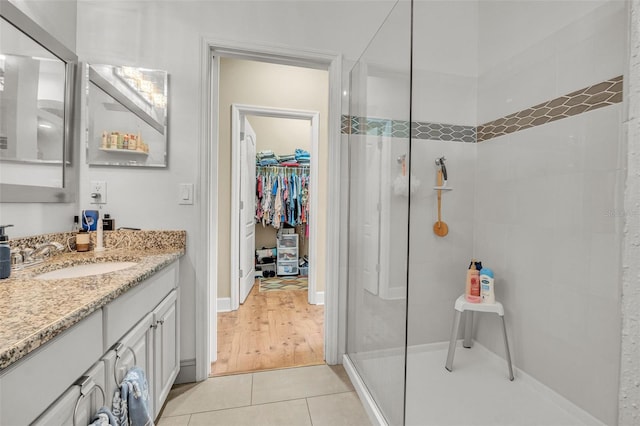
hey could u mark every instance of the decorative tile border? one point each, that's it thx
(400, 129)
(443, 132)
(599, 95)
(593, 97)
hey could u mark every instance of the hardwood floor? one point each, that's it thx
(272, 329)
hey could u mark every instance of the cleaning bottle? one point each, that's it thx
(472, 289)
(487, 292)
(5, 254)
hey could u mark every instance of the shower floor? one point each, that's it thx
(478, 392)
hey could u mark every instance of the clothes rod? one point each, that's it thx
(283, 167)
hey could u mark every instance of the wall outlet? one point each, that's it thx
(98, 192)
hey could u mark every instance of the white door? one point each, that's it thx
(365, 205)
(247, 208)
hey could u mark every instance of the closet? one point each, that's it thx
(282, 213)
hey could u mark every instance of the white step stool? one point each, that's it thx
(468, 308)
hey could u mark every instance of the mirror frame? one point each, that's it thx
(14, 193)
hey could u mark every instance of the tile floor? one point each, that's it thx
(317, 395)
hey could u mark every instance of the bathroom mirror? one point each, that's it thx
(126, 116)
(36, 99)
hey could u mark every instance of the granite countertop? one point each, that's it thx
(34, 311)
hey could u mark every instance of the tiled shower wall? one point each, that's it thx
(548, 198)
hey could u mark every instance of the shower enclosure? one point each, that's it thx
(524, 100)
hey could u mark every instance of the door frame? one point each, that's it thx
(206, 258)
(238, 112)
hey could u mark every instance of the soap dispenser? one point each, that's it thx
(5, 253)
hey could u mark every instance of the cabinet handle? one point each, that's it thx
(160, 322)
(83, 382)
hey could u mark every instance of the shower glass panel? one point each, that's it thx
(378, 219)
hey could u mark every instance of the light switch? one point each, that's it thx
(185, 193)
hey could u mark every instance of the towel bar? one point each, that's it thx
(117, 348)
(87, 387)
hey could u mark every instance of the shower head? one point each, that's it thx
(440, 162)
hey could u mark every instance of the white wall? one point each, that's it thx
(548, 199)
(167, 35)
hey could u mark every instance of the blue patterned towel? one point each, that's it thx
(103, 417)
(131, 401)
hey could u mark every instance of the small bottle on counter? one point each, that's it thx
(108, 224)
(125, 142)
(105, 140)
(5, 253)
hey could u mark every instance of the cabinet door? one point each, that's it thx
(167, 347)
(33, 383)
(138, 341)
(87, 394)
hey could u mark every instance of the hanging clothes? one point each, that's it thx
(282, 196)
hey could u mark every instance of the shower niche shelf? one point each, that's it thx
(124, 151)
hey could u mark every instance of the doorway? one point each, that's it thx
(288, 132)
(212, 154)
(281, 86)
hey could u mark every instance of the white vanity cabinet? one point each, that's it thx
(140, 327)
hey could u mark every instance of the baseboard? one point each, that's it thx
(369, 404)
(187, 372)
(224, 304)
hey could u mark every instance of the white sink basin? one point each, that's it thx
(85, 270)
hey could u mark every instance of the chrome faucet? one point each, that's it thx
(41, 251)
